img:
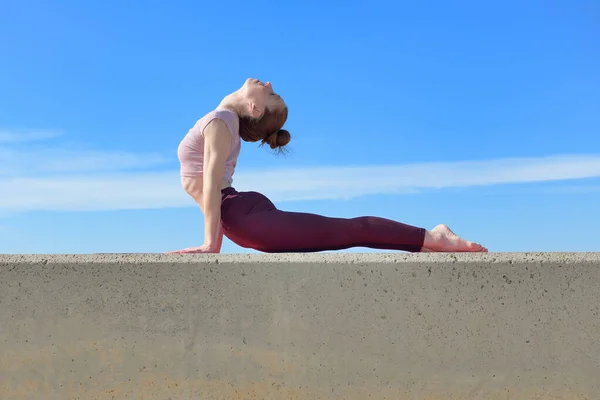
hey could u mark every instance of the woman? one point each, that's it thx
(208, 156)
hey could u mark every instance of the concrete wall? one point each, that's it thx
(320, 326)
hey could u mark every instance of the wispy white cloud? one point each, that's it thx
(352, 181)
(95, 192)
(53, 160)
(559, 189)
(24, 136)
(55, 178)
(162, 189)
(33, 153)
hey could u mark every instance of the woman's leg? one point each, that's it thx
(252, 221)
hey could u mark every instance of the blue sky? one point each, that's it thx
(480, 115)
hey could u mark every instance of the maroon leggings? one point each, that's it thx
(251, 220)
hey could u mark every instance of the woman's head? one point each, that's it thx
(264, 115)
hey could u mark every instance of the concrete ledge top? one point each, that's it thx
(303, 258)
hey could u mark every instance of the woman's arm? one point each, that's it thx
(217, 145)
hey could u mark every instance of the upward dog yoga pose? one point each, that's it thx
(208, 156)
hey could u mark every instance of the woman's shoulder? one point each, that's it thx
(221, 113)
(230, 118)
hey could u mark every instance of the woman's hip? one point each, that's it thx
(236, 206)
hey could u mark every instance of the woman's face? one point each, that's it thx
(262, 95)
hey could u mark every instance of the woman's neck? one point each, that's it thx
(232, 102)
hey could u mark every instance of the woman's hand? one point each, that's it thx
(195, 250)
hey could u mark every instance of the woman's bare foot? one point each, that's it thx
(442, 239)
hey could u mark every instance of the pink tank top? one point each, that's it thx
(191, 148)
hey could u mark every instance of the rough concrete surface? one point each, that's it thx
(301, 326)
